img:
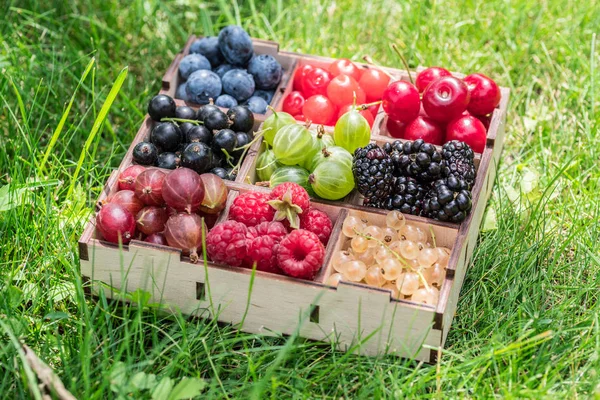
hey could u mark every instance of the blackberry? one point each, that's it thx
(417, 159)
(407, 196)
(373, 172)
(446, 201)
(458, 162)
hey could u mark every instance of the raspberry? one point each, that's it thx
(317, 222)
(226, 243)
(289, 199)
(301, 254)
(263, 242)
(251, 209)
(274, 229)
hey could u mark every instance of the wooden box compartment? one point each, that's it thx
(358, 318)
(171, 80)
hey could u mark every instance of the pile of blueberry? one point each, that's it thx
(206, 141)
(225, 69)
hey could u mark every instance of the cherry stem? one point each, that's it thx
(181, 120)
(365, 106)
(370, 61)
(395, 48)
(398, 256)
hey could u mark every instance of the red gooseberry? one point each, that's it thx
(127, 199)
(183, 190)
(184, 231)
(148, 187)
(157, 238)
(151, 220)
(128, 176)
(115, 223)
(215, 194)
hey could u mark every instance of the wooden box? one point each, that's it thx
(356, 317)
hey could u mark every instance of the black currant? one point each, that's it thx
(166, 136)
(225, 139)
(242, 118)
(205, 110)
(145, 153)
(185, 112)
(168, 160)
(216, 120)
(197, 156)
(199, 134)
(231, 174)
(185, 127)
(220, 172)
(161, 106)
(242, 140)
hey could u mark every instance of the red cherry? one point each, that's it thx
(300, 74)
(300, 117)
(374, 81)
(424, 128)
(401, 101)
(293, 103)
(365, 113)
(345, 66)
(319, 109)
(374, 110)
(341, 91)
(485, 120)
(469, 130)
(485, 94)
(446, 99)
(315, 82)
(429, 75)
(395, 128)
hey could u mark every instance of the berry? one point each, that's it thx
(181, 93)
(239, 84)
(299, 76)
(202, 86)
(346, 67)
(401, 101)
(301, 254)
(317, 222)
(192, 63)
(468, 129)
(199, 133)
(168, 160)
(128, 200)
(220, 172)
(319, 109)
(251, 208)
(209, 48)
(127, 177)
(374, 81)
(446, 203)
(395, 128)
(185, 112)
(293, 103)
(266, 71)
(289, 201)
(224, 139)
(428, 75)
(407, 197)
(197, 156)
(145, 153)
(242, 118)
(223, 69)
(485, 94)
(458, 162)
(235, 45)
(342, 89)
(216, 120)
(115, 223)
(365, 113)
(226, 101)
(445, 99)
(267, 95)
(226, 243)
(316, 81)
(148, 187)
(166, 136)
(242, 139)
(206, 110)
(257, 105)
(417, 159)
(161, 106)
(373, 172)
(263, 243)
(424, 128)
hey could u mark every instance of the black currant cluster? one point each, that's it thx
(416, 178)
(206, 141)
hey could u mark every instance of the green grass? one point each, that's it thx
(527, 323)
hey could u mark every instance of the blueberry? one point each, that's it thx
(257, 105)
(168, 160)
(216, 120)
(225, 139)
(226, 101)
(202, 86)
(266, 71)
(197, 156)
(192, 63)
(209, 48)
(185, 112)
(242, 118)
(235, 45)
(166, 136)
(180, 92)
(239, 84)
(220, 172)
(199, 134)
(161, 106)
(145, 153)
(223, 69)
(265, 94)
